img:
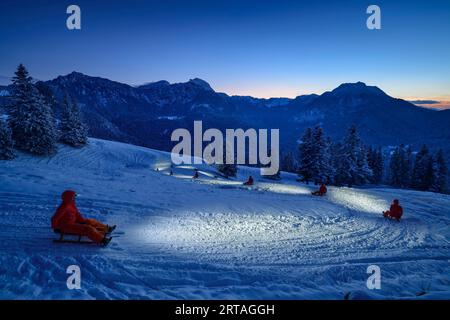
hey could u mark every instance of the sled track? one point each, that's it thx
(200, 240)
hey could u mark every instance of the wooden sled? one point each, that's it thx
(79, 238)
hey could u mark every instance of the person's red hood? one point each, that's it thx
(68, 196)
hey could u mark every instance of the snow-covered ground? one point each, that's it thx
(212, 238)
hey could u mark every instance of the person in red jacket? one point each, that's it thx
(395, 211)
(322, 190)
(249, 182)
(67, 219)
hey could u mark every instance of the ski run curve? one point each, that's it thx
(212, 238)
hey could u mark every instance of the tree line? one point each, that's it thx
(31, 125)
(350, 162)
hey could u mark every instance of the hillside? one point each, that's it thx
(212, 238)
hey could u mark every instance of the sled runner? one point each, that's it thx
(78, 238)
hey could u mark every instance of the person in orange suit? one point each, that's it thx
(395, 211)
(68, 219)
(322, 190)
(249, 182)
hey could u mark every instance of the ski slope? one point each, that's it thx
(212, 238)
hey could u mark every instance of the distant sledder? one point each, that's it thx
(321, 192)
(394, 212)
(249, 182)
(67, 220)
(195, 174)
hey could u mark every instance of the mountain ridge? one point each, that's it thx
(147, 114)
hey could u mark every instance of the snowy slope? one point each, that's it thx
(212, 238)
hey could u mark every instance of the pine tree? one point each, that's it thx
(354, 169)
(41, 129)
(319, 165)
(422, 175)
(375, 161)
(6, 142)
(73, 130)
(31, 120)
(395, 168)
(340, 175)
(306, 156)
(408, 162)
(288, 163)
(401, 167)
(329, 161)
(363, 169)
(440, 173)
(21, 104)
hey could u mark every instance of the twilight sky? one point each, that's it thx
(246, 47)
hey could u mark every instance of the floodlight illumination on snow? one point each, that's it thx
(161, 165)
(357, 200)
(183, 176)
(222, 182)
(285, 188)
(206, 231)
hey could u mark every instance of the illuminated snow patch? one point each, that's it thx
(222, 182)
(228, 230)
(357, 200)
(285, 189)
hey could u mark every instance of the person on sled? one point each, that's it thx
(394, 212)
(195, 174)
(249, 182)
(322, 190)
(67, 219)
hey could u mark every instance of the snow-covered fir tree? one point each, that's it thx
(6, 142)
(22, 102)
(364, 171)
(329, 161)
(320, 159)
(407, 168)
(340, 175)
(31, 119)
(440, 173)
(41, 128)
(376, 161)
(422, 174)
(354, 169)
(288, 162)
(48, 97)
(315, 161)
(72, 128)
(306, 156)
(400, 167)
(395, 168)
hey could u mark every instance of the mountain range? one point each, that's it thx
(146, 115)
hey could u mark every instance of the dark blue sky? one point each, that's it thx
(260, 48)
